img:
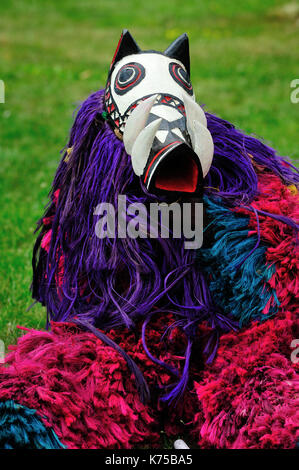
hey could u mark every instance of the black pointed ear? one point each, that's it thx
(179, 50)
(126, 46)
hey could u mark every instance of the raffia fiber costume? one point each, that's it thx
(143, 335)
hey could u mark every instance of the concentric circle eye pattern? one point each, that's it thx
(180, 75)
(128, 77)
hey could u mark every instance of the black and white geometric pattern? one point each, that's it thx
(162, 99)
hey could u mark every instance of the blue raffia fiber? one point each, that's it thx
(21, 428)
(236, 267)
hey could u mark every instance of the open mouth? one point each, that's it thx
(177, 171)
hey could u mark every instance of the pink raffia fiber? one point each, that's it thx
(78, 386)
(247, 398)
(283, 252)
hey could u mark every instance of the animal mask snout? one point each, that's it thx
(170, 146)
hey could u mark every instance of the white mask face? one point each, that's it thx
(138, 76)
(150, 100)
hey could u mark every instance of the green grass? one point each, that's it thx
(53, 54)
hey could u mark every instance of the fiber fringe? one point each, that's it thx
(190, 325)
(20, 428)
(78, 386)
(238, 274)
(117, 283)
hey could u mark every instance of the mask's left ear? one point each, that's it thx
(179, 50)
(126, 46)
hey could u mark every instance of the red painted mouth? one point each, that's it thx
(177, 172)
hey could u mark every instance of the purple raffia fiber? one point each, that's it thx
(117, 282)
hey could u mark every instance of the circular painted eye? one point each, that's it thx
(128, 77)
(180, 75)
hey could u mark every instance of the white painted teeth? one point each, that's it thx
(194, 111)
(203, 145)
(136, 122)
(162, 136)
(138, 137)
(201, 138)
(142, 146)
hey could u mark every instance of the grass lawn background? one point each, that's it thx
(53, 54)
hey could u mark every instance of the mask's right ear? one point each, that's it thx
(126, 46)
(179, 50)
